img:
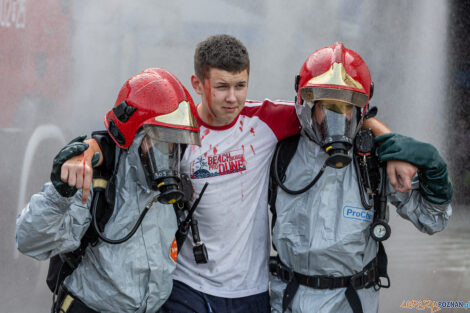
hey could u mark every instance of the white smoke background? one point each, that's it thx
(63, 62)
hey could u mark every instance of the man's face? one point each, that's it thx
(223, 96)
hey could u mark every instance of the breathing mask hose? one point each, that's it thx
(383, 196)
(366, 205)
(295, 192)
(131, 233)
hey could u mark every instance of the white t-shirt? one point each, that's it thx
(232, 215)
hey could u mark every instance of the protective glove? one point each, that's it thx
(432, 170)
(73, 148)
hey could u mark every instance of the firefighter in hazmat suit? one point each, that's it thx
(328, 236)
(150, 125)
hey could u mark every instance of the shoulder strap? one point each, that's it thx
(286, 149)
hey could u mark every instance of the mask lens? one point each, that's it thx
(161, 162)
(332, 121)
(159, 155)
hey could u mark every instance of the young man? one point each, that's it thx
(237, 143)
(149, 125)
(329, 237)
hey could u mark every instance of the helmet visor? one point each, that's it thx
(334, 121)
(174, 135)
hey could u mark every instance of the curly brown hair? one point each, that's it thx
(223, 52)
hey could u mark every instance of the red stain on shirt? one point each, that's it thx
(215, 150)
(205, 133)
(241, 122)
(252, 149)
(252, 131)
(240, 128)
(243, 149)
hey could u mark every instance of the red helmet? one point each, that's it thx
(153, 97)
(333, 86)
(335, 73)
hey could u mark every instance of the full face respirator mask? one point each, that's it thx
(161, 163)
(334, 126)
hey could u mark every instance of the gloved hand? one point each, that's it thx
(73, 148)
(432, 170)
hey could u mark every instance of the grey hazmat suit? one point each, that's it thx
(318, 232)
(134, 276)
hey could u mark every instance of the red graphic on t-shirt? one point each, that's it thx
(218, 164)
(252, 131)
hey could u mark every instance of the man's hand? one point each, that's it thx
(434, 183)
(75, 164)
(400, 174)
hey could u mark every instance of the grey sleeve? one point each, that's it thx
(51, 224)
(426, 216)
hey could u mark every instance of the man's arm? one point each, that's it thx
(428, 207)
(51, 224)
(400, 173)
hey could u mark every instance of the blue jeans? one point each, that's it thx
(184, 299)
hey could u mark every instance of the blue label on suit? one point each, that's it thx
(360, 214)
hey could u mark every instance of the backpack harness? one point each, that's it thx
(371, 178)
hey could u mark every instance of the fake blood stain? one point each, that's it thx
(207, 88)
(252, 149)
(215, 150)
(252, 131)
(205, 133)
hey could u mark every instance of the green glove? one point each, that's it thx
(73, 148)
(432, 170)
